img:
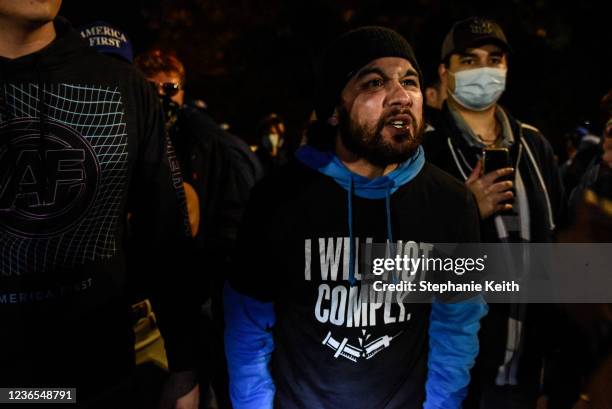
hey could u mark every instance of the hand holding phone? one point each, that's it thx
(493, 188)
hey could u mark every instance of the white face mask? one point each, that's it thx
(479, 88)
(274, 139)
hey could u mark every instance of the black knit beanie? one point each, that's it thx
(348, 54)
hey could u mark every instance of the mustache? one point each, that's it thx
(399, 111)
(393, 112)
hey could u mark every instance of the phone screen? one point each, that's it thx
(498, 158)
(495, 158)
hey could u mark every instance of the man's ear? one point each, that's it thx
(443, 73)
(431, 95)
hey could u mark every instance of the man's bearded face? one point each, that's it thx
(381, 118)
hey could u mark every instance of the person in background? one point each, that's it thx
(521, 202)
(597, 176)
(435, 93)
(221, 169)
(219, 166)
(583, 372)
(272, 148)
(606, 106)
(582, 147)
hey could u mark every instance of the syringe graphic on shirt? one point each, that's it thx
(378, 345)
(343, 348)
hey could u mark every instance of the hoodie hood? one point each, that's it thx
(382, 187)
(330, 165)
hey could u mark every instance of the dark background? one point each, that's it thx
(247, 58)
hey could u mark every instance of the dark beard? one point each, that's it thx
(369, 144)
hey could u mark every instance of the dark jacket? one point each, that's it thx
(575, 168)
(221, 168)
(532, 154)
(447, 149)
(82, 143)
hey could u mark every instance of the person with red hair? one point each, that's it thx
(221, 168)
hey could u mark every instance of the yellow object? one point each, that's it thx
(149, 342)
(193, 208)
(591, 198)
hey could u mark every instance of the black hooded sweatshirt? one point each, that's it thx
(82, 143)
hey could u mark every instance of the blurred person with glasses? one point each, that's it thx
(221, 168)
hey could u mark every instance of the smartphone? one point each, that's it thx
(495, 158)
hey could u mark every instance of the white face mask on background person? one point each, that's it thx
(479, 88)
(274, 139)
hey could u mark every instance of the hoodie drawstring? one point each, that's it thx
(390, 246)
(42, 131)
(352, 280)
(388, 214)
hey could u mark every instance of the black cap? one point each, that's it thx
(348, 54)
(473, 32)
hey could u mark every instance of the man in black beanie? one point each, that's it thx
(300, 332)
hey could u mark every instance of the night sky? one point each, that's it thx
(247, 58)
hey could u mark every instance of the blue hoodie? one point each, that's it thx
(453, 327)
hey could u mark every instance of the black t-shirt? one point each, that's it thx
(293, 249)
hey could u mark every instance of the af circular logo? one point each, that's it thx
(48, 183)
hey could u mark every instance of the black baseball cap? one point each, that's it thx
(472, 32)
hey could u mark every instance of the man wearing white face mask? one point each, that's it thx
(520, 203)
